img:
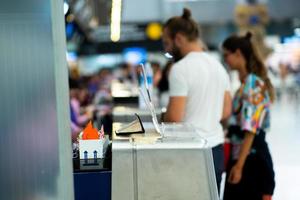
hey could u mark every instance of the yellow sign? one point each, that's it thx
(154, 31)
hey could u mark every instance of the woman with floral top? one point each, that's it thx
(250, 174)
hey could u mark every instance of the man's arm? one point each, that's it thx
(227, 106)
(176, 109)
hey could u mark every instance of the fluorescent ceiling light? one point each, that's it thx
(115, 26)
(66, 8)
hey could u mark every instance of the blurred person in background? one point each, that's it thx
(79, 115)
(163, 85)
(126, 73)
(157, 73)
(74, 73)
(93, 85)
(105, 77)
(199, 85)
(103, 94)
(250, 174)
(103, 100)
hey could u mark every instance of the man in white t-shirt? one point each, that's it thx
(199, 85)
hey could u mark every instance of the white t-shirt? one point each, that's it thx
(203, 80)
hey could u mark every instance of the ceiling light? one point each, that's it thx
(115, 26)
(66, 8)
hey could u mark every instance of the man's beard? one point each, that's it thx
(176, 53)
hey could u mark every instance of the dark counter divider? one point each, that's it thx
(92, 185)
(92, 178)
(130, 101)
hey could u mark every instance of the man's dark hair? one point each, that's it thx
(183, 24)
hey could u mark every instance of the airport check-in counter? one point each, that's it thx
(126, 104)
(124, 93)
(126, 114)
(174, 165)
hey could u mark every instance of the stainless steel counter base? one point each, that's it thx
(166, 170)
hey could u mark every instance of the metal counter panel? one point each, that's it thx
(122, 171)
(183, 171)
(162, 171)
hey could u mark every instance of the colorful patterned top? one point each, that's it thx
(251, 106)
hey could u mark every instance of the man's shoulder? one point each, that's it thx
(187, 61)
(180, 63)
(179, 66)
(211, 58)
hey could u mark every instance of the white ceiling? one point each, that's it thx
(205, 11)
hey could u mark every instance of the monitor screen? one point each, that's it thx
(135, 55)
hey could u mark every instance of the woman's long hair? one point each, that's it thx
(254, 63)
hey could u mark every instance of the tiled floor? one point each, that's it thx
(284, 142)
